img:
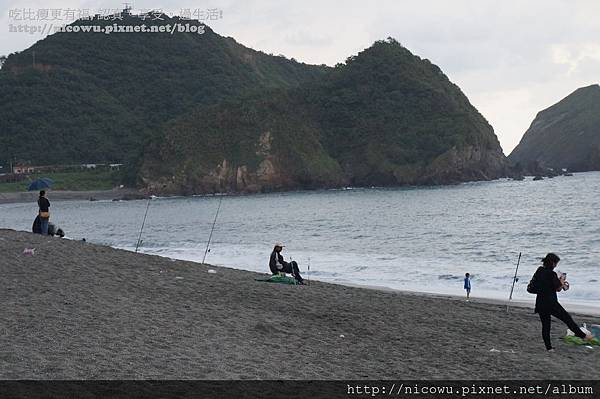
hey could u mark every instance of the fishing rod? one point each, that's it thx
(139, 241)
(515, 279)
(212, 229)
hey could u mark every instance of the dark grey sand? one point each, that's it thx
(80, 311)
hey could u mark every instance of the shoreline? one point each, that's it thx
(125, 194)
(573, 307)
(59, 195)
(577, 307)
(76, 310)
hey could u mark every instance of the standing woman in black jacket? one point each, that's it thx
(546, 302)
(44, 212)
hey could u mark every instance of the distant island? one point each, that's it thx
(191, 113)
(563, 136)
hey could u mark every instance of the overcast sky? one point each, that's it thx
(512, 58)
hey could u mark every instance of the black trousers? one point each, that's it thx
(561, 314)
(292, 268)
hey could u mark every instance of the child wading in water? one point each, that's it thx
(468, 285)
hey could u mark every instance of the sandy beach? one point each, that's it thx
(75, 310)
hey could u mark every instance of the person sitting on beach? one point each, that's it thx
(546, 302)
(36, 228)
(467, 285)
(278, 265)
(53, 230)
(44, 212)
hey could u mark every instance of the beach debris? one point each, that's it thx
(212, 271)
(572, 340)
(502, 351)
(570, 333)
(29, 251)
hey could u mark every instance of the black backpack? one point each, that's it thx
(534, 284)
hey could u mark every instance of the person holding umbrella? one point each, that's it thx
(44, 212)
(40, 184)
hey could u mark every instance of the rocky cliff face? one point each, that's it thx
(454, 166)
(468, 163)
(267, 170)
(385, 118)
(229, 176)
(225, 177)
(566, 135)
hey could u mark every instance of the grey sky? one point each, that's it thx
(512, 58)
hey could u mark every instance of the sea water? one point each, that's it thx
(419, 239)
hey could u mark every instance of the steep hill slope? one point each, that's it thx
(94, 97)
(385, 117)
(565, 135)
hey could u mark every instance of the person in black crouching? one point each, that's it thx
(53, 230)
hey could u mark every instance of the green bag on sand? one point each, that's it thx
(280, 279)
(573, 340)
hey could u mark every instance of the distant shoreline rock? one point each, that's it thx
(563, 136)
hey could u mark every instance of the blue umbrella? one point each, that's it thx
(40, 184)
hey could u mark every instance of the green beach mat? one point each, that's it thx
(280, 280)
(573, 340)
